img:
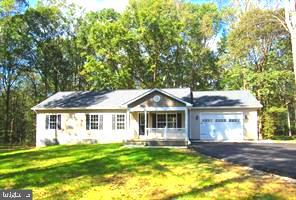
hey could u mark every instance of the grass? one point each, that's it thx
(113, 172)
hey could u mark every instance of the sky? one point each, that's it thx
(93, 5)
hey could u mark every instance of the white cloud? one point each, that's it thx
(93, 5)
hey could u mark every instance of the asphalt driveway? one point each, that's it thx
(275, 158)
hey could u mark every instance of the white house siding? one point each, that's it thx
(134, 126)
(249, 123)
(73, 128)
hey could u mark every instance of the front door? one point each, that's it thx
(141, 124)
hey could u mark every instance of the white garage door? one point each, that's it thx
(224, 126)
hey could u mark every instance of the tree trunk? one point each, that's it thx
(7, 115)
(289, 122)
(290, 18)
(11, 133)
(294, 117)
(56, 81)
(293, 41)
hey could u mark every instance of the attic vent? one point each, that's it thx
(156, 98)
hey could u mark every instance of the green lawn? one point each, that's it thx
(114, 172)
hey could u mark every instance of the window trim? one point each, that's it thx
(157, 121)
(172, 122)
(115, 121)
(99, 123)
(166, 119)
(57, 122)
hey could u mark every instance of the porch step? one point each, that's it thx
(157, 142)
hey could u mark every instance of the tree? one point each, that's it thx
(152, 44)
(13, 60)
(258, 58)
(38, 56)
(56, 56)
(290, 17)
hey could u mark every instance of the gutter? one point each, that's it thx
(81, 108)
(228, 107)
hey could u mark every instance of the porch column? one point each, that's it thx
(146, 133)
(166, 126)
(128, 126)
(186, 125)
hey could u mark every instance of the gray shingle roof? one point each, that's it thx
(120, 98)
(102, 99)
(235, 98)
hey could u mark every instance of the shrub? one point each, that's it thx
(268, 126)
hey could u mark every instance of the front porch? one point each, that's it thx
(161, 126)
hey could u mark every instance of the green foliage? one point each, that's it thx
(268, 126)
(274, 122)
(38, 56)
(155, 44)
(284, 137)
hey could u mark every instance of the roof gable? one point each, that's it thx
(148, 101)
(183, 100)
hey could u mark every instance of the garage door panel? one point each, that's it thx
(226, 126)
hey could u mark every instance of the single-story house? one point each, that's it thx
(176, 114)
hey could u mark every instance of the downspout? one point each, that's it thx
(36, 128)
(188, 125)
(189, 117)
(191, 96)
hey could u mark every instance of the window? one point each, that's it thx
(207, 120)
(94, 122)
(53, 122)
(118, 122)
(220, 120)
(161, 120)
(172, 120)
(167, 120)
(234, 120)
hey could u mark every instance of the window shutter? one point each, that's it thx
(179, 120)
(47, 122)
(113, 122)
(153, 120)
(87, 121)
(100, 122)
(59, 122)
